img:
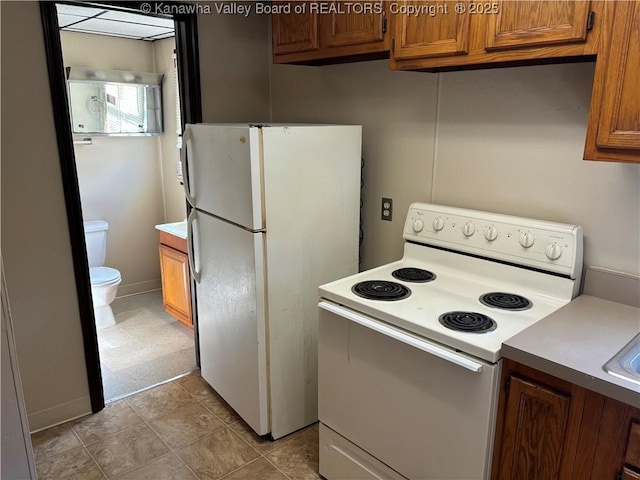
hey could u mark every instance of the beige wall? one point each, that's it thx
(35, 240)
(514, 138)
(107, 53)
(174, 206)
(121, 178)
(506, 140)
(120, 182)
(234, 67)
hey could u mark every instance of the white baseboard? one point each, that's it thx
(140, 287)
(58, 414)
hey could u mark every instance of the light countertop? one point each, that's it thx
(574, 342)
(179, 229)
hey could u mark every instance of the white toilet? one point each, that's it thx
(104, 280)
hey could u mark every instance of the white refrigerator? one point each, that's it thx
(276, 213)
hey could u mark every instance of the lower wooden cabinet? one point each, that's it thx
(535, 424)
(630, 475)
(174, 268)
(549, 429)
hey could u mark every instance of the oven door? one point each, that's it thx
(426, 411)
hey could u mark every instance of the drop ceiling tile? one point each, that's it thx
(65, 19)
(77, 10)
(133, 18)
(97, 25)
(161, 36)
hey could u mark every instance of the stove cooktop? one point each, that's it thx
(412, 274)
(469, 280)
(472, 290)
(381, 290)
(506, 301)
(469, 322)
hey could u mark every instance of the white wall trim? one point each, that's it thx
(140, 287)
(59, 414)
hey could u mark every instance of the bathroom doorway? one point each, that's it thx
(129, 182)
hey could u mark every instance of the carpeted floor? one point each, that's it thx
(147, 346)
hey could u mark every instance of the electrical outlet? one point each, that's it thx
(386, 212)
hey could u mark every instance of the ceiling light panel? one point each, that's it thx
(97, 25)
(76, 10)
(142, 19)
(64, 19)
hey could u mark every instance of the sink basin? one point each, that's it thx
(178, 229)
(626, 363)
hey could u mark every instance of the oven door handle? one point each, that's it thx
(403, 337)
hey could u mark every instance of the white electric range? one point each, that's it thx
(409, 352)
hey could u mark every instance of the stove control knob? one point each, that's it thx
(526, 239)
(491, 233)
(553, 251)
(418, 225)
(438, 224)
(468, 229)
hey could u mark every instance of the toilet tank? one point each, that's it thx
(95, 236)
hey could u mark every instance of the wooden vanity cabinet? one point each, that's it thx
(174, 270)
(613, 130)
(465, 33)
(551, 429)
(330, 32)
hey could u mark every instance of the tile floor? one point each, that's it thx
(181, 430)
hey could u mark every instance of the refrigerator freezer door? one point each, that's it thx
(231, 316)
(223, 172)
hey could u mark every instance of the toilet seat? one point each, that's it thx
(103, 276)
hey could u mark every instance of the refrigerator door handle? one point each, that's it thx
(186, 141)
(191, 244)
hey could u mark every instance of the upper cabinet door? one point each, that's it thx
(619, 119)
(355, 23)
(430, 29)
(528, 23)
(293, 32)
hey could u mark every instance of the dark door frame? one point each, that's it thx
(186, 35)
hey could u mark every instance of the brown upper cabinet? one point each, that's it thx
(613, 131)
(429, 33)
(322, 32)
(295, 32)
(525, 24)
(448, 34)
